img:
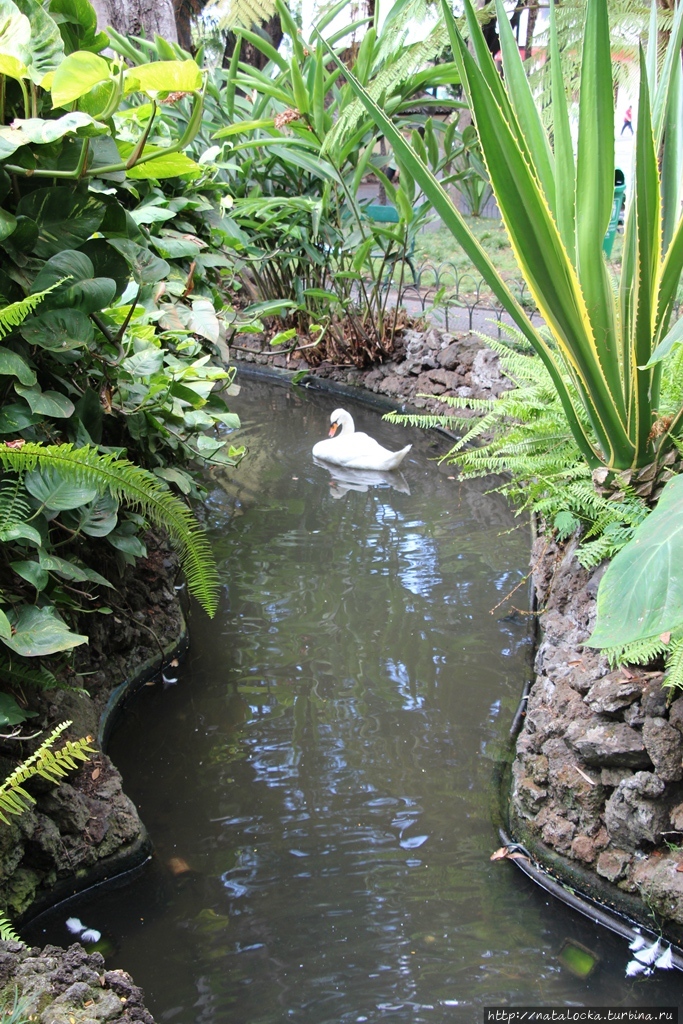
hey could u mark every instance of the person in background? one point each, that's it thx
(628, 121)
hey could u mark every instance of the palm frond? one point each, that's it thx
(129, 483)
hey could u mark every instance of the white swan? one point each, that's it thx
(355, 450)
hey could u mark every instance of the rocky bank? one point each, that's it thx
(597, 780)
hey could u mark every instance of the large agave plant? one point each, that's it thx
(609, 342)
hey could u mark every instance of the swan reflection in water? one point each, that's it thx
(344, 480)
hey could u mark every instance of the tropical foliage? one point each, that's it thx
(606, 348)
(556, 209)
(300, 240)
(113, 328)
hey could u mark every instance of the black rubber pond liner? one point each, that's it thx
(594, 911)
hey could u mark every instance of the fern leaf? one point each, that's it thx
(51, 765)
(20, 673)
(388, 81)
(235, 14)
(14, 314)
(674, 665)
(7, 932)
(129, 483)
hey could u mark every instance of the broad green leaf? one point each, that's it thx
(107, 261)
(144, 363)
(40, 132)
(77, 23)
(10, 712)
(12, 66)
(32, 572)
(13, 365)
(65, 218)
(124, 539)
(163, 76)
(71, 571)
(98, 518)
(16, 417)
(5, 626)
(203, 320)
(58, 329)
(46, 50)
(76, 75)
(20, 531)
(175, 248)
(150, 213)
(162, 164)
(182, 480)
(82, 290)
(38, 632)
(46, 403)
(15, 33)
(146, 267)
(641, 594)
(57, 491)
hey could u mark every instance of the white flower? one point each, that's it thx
(75, 926)
(91, 935)
(638, 942)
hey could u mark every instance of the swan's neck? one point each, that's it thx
(347, 426)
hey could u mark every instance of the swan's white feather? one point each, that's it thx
(353, 449)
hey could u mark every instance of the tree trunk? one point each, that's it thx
(530, 28)
(250, 53)
(138, 17)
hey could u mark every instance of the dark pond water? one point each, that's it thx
(319, 781)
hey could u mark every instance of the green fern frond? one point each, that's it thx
(674, 665)
(388, 82)
(14, 508)
(129, 483)
(51, 765)
(19, 672)
(235, 14)
(642, 652)
(7, 932)
(14, 314)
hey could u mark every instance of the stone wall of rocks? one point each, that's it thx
(429, 362)
(60, 986)
(597, 782)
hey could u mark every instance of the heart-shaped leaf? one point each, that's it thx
(76, 75)
(65, 219)
(57, 491)
(146, 267)
(38, 632)
(59, 329)
(81, 289)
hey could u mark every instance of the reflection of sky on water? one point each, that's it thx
(399, 674)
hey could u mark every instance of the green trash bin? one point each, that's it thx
(617, 204)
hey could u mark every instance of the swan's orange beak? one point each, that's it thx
(333, 429)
